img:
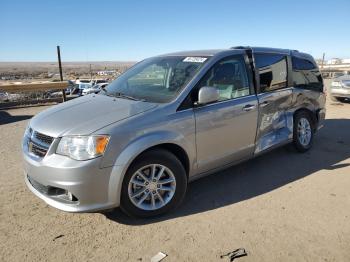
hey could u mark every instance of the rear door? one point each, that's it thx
(225, 130)
(275, 124)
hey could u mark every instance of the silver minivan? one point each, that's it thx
(340, 88)
(169, 120)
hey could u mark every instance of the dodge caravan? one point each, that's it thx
(169, 120)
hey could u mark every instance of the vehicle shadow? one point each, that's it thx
(260, 175)
(7, 118)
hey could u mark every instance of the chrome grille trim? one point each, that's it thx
(37, 150)
(39, 144)
(43, 138)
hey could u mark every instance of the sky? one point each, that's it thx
(131, 30)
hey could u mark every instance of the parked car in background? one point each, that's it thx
(4, 96)
(340, 88)
(169, 120)
(75, 90)
(9, 97)
(86, 81)
(99, 81)
(94, 89)
(81, 86)
(53, 94)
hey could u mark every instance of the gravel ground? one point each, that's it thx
(282, 206)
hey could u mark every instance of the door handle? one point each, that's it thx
(263, 104)
(248, 107)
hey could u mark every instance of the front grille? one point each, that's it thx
(39, 143)
(43, 138)
(37, 150)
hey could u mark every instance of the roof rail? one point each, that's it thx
(240, 47)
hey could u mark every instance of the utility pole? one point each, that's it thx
(322, 61)
(61, 75)
(90, 73)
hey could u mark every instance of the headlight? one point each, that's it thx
(82, 147)
(26, 137)
(28, 131)
(336, 84)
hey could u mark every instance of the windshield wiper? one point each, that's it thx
(121, 95)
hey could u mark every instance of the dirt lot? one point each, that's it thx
(282, 206)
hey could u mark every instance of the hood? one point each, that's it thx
(84, 115)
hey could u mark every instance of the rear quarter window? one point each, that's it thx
(272, 70)
(306, 75)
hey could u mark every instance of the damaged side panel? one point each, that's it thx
(275, 124)
(276, 112)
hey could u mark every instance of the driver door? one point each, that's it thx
(226, 129)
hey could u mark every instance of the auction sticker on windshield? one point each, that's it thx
(195, 59)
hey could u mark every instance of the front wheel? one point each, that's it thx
(303, 131)
(154, 184)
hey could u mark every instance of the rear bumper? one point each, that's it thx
(53, 177)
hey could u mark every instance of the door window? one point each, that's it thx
(272, 70)
(229, 77)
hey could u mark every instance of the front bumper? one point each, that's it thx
(340, 92)
(85, 180)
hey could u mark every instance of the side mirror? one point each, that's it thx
(207, 94)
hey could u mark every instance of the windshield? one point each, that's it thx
(157, 79)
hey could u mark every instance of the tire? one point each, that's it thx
(341, 99)
(303, 137)
(140, 173)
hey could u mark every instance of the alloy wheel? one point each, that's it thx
(304, 131)
(152, 187)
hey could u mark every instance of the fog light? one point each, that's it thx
(70, 196)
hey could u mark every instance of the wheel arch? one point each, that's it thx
(313, 115)
(168, 141)
(173, 148)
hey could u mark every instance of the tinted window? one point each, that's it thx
(306, 74)
(272, 70)
(229, 77)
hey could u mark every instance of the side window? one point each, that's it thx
(305, 74)
(229, 77)
(272, 70)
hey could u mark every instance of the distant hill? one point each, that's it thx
(68, 67)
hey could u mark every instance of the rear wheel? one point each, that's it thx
(303, 131)
(154, 184)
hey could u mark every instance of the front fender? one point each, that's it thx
(139, 145)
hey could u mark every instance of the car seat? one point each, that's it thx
(223, 80)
